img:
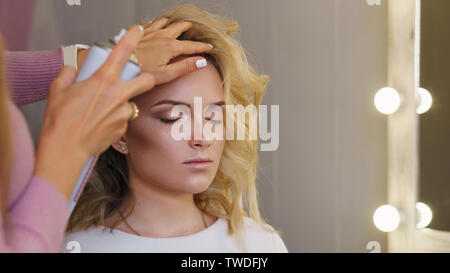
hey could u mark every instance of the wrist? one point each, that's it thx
(81, 56)
(75, 55)
(58, 166)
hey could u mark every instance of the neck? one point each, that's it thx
(159, 212)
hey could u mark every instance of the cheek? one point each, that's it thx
(150, 144)
(149, 132)
(140, 136)
(219, 146)
(153, 151)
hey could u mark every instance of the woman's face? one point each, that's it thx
(154, 156)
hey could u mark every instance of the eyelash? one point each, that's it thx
(173, 120)
(215, 120)
(168, 120)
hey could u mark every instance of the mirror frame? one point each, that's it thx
(403, 141)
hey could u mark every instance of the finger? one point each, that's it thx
(118, 120)
(178, 69)
(176, 29)
(122, 51)
(128, 111)
(142, 83)
(146, 23)
(156, 25)
(65, 78)
(186, 47)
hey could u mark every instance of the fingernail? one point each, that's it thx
(141, 27)
(201, 63)
(211, 45)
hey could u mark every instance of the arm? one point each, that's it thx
(38, 213)
(37, 220)
(29, 73)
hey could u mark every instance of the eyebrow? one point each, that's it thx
(172, 102)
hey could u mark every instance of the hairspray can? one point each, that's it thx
(96, 57)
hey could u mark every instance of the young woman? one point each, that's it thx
(152, 193)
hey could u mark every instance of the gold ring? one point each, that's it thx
(135, 110)
(146, 23)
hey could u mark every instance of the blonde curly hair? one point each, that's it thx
(233, 187)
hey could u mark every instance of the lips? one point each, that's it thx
(198, 160)
(198, 163)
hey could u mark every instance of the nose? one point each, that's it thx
(198, 143)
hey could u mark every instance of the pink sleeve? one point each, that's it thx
(38, 220)
(29, 73)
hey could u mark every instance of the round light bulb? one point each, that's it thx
(424, 215)
(387, 100)
(386, 218)
(425, 100)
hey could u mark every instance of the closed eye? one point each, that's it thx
(173, 120)
(214, 120)
(168, 120)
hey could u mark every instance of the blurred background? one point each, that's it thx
(434, 131)
(326, 60)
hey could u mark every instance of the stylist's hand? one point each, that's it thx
(159, 45)
(83, 119)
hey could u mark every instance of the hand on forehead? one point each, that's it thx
(205, 83)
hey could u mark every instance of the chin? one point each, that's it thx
(197, 185)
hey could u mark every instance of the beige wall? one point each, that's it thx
(326, 58)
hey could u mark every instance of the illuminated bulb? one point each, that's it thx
(386, 218)
(424, 215)
(387, 100)
(424, 101)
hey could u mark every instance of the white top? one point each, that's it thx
(212, 239)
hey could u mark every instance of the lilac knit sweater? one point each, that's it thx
(37, 210)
